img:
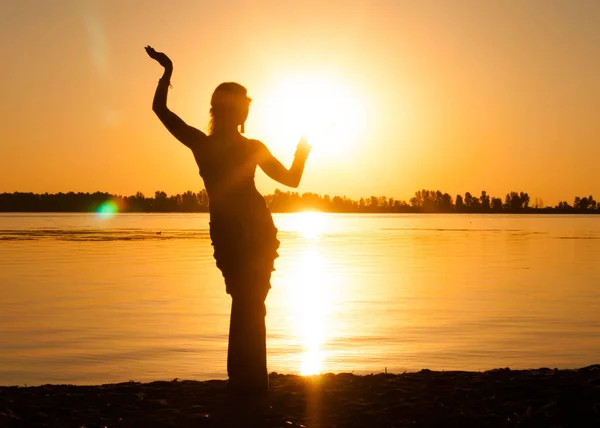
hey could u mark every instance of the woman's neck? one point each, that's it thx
(226, 129)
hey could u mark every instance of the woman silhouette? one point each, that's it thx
(241, 227)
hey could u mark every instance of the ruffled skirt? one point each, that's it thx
(245, 249)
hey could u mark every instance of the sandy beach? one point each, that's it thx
(497, 398)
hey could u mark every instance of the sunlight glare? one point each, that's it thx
(310, 224)
(310, 304)
(319, 108)
(312, 362)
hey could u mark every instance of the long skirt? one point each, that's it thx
(245, 252)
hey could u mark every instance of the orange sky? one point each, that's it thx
(457, 96)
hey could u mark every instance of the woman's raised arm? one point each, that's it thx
(188, 135)
(274, 169)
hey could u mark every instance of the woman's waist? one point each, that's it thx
(234, 201)
(239, 210)
(251, 225)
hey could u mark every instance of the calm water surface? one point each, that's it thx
(87, 299)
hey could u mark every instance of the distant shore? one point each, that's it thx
(496, 398)
(530, 212)
(424, 201)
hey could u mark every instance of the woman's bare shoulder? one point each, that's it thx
(256, 144)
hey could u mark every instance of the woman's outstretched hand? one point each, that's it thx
(159, 57)
(303, 148)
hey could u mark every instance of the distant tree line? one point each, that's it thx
(424, 201)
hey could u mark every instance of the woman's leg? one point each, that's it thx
(247, 353)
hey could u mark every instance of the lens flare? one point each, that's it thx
(97, 40)
(107, 209)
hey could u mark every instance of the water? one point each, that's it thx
(88, 299)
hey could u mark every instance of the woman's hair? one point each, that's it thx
(228, 106)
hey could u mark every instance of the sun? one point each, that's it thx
(320, 108)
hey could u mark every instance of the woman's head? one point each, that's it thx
(229, 107)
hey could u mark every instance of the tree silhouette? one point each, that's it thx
(564, 207)
(496, 204)
(585, 204)
(516, 202)
(447, 205)
(524, 197)
(460, 205)
(485, 201)
(160, 201)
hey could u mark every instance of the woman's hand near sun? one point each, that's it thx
(159, 57)
(275, 169)
(303, 148)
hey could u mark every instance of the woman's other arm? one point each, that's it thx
(274, 169)
(188, 135)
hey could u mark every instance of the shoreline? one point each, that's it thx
(533, 211)
(499, 397)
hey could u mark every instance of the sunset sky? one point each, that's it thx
(451, 95)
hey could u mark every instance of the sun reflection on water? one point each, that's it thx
(310, 297)
(311, 224)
